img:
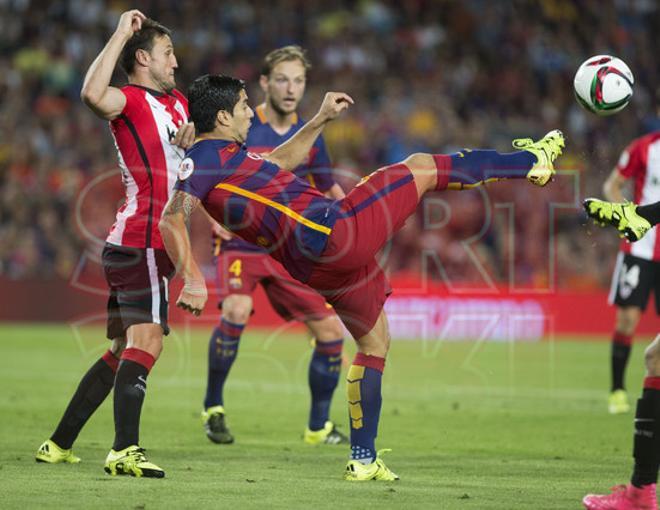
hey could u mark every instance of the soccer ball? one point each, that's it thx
(603, 85)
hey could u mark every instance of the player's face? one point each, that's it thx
(285, 86)
(163, 63)
(242, 118)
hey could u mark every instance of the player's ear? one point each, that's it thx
(223, 118)
(142, 57)
(263, 83)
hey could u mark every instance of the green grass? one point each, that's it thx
(472, 426)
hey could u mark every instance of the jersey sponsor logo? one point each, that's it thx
(170, 134)
(186, 169)
(628, 280)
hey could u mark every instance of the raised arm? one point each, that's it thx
(105, 101)
(174, 231)
(294, 151)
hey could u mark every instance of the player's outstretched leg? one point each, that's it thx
(364, 404)
(323, 377)
(632, 221)
(145, 342)
(640, 493)
(473, 167)
(223, 349)
(381, 203)
(93, 389)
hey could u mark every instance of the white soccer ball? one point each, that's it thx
(603, 85)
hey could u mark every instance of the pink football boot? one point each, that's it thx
(623, 497)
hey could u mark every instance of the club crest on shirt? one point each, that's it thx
(186, 168)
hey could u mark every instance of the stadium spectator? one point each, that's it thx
(466, 91)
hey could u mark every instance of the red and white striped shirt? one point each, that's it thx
(148, 161)
(641, 162)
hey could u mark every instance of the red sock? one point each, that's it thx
(652, 383)
(110, 360)
(366, 360)
(620, 338)
(443, 166)
(140, 357)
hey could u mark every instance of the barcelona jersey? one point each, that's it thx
(261, 203)
(316, 169)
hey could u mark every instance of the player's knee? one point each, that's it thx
(627, 319)
(652, 358)
(146, 337)
(237, 309)
(328, 330)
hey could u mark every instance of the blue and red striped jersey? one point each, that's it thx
(259, 202)
(263, 138)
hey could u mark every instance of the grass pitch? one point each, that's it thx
(471, 425)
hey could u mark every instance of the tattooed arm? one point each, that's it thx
(177, 244)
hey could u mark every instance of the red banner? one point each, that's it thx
(416, 309)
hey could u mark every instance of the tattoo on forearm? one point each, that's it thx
(183, 203)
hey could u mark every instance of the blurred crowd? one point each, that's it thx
(427, 75)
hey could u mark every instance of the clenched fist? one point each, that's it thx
(333, 104)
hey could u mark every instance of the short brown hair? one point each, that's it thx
(143, 39)
(284, 54)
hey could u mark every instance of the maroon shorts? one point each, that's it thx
(239, 272)
(138, 279)
(348, 275)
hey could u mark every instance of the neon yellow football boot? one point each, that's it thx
(52, 454)
(622, 216)
(546, 150)
(131, 461)
(617, 402)
(377, 470)
(327, 435)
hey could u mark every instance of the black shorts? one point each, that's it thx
(633, 280)
(138, 279)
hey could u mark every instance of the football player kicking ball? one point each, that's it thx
(329, 245)
(634, 222)
(241, 266)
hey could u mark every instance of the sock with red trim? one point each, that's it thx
(223, 349)
(92, 390)
(364, 403)
(646, 449)
(621, 345)
(130, 390)
(323, 376)
(470, 167)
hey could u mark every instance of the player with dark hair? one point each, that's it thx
(241, 266)
(149, 123)
(636, 222)
(637, 271)
(329, 245)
